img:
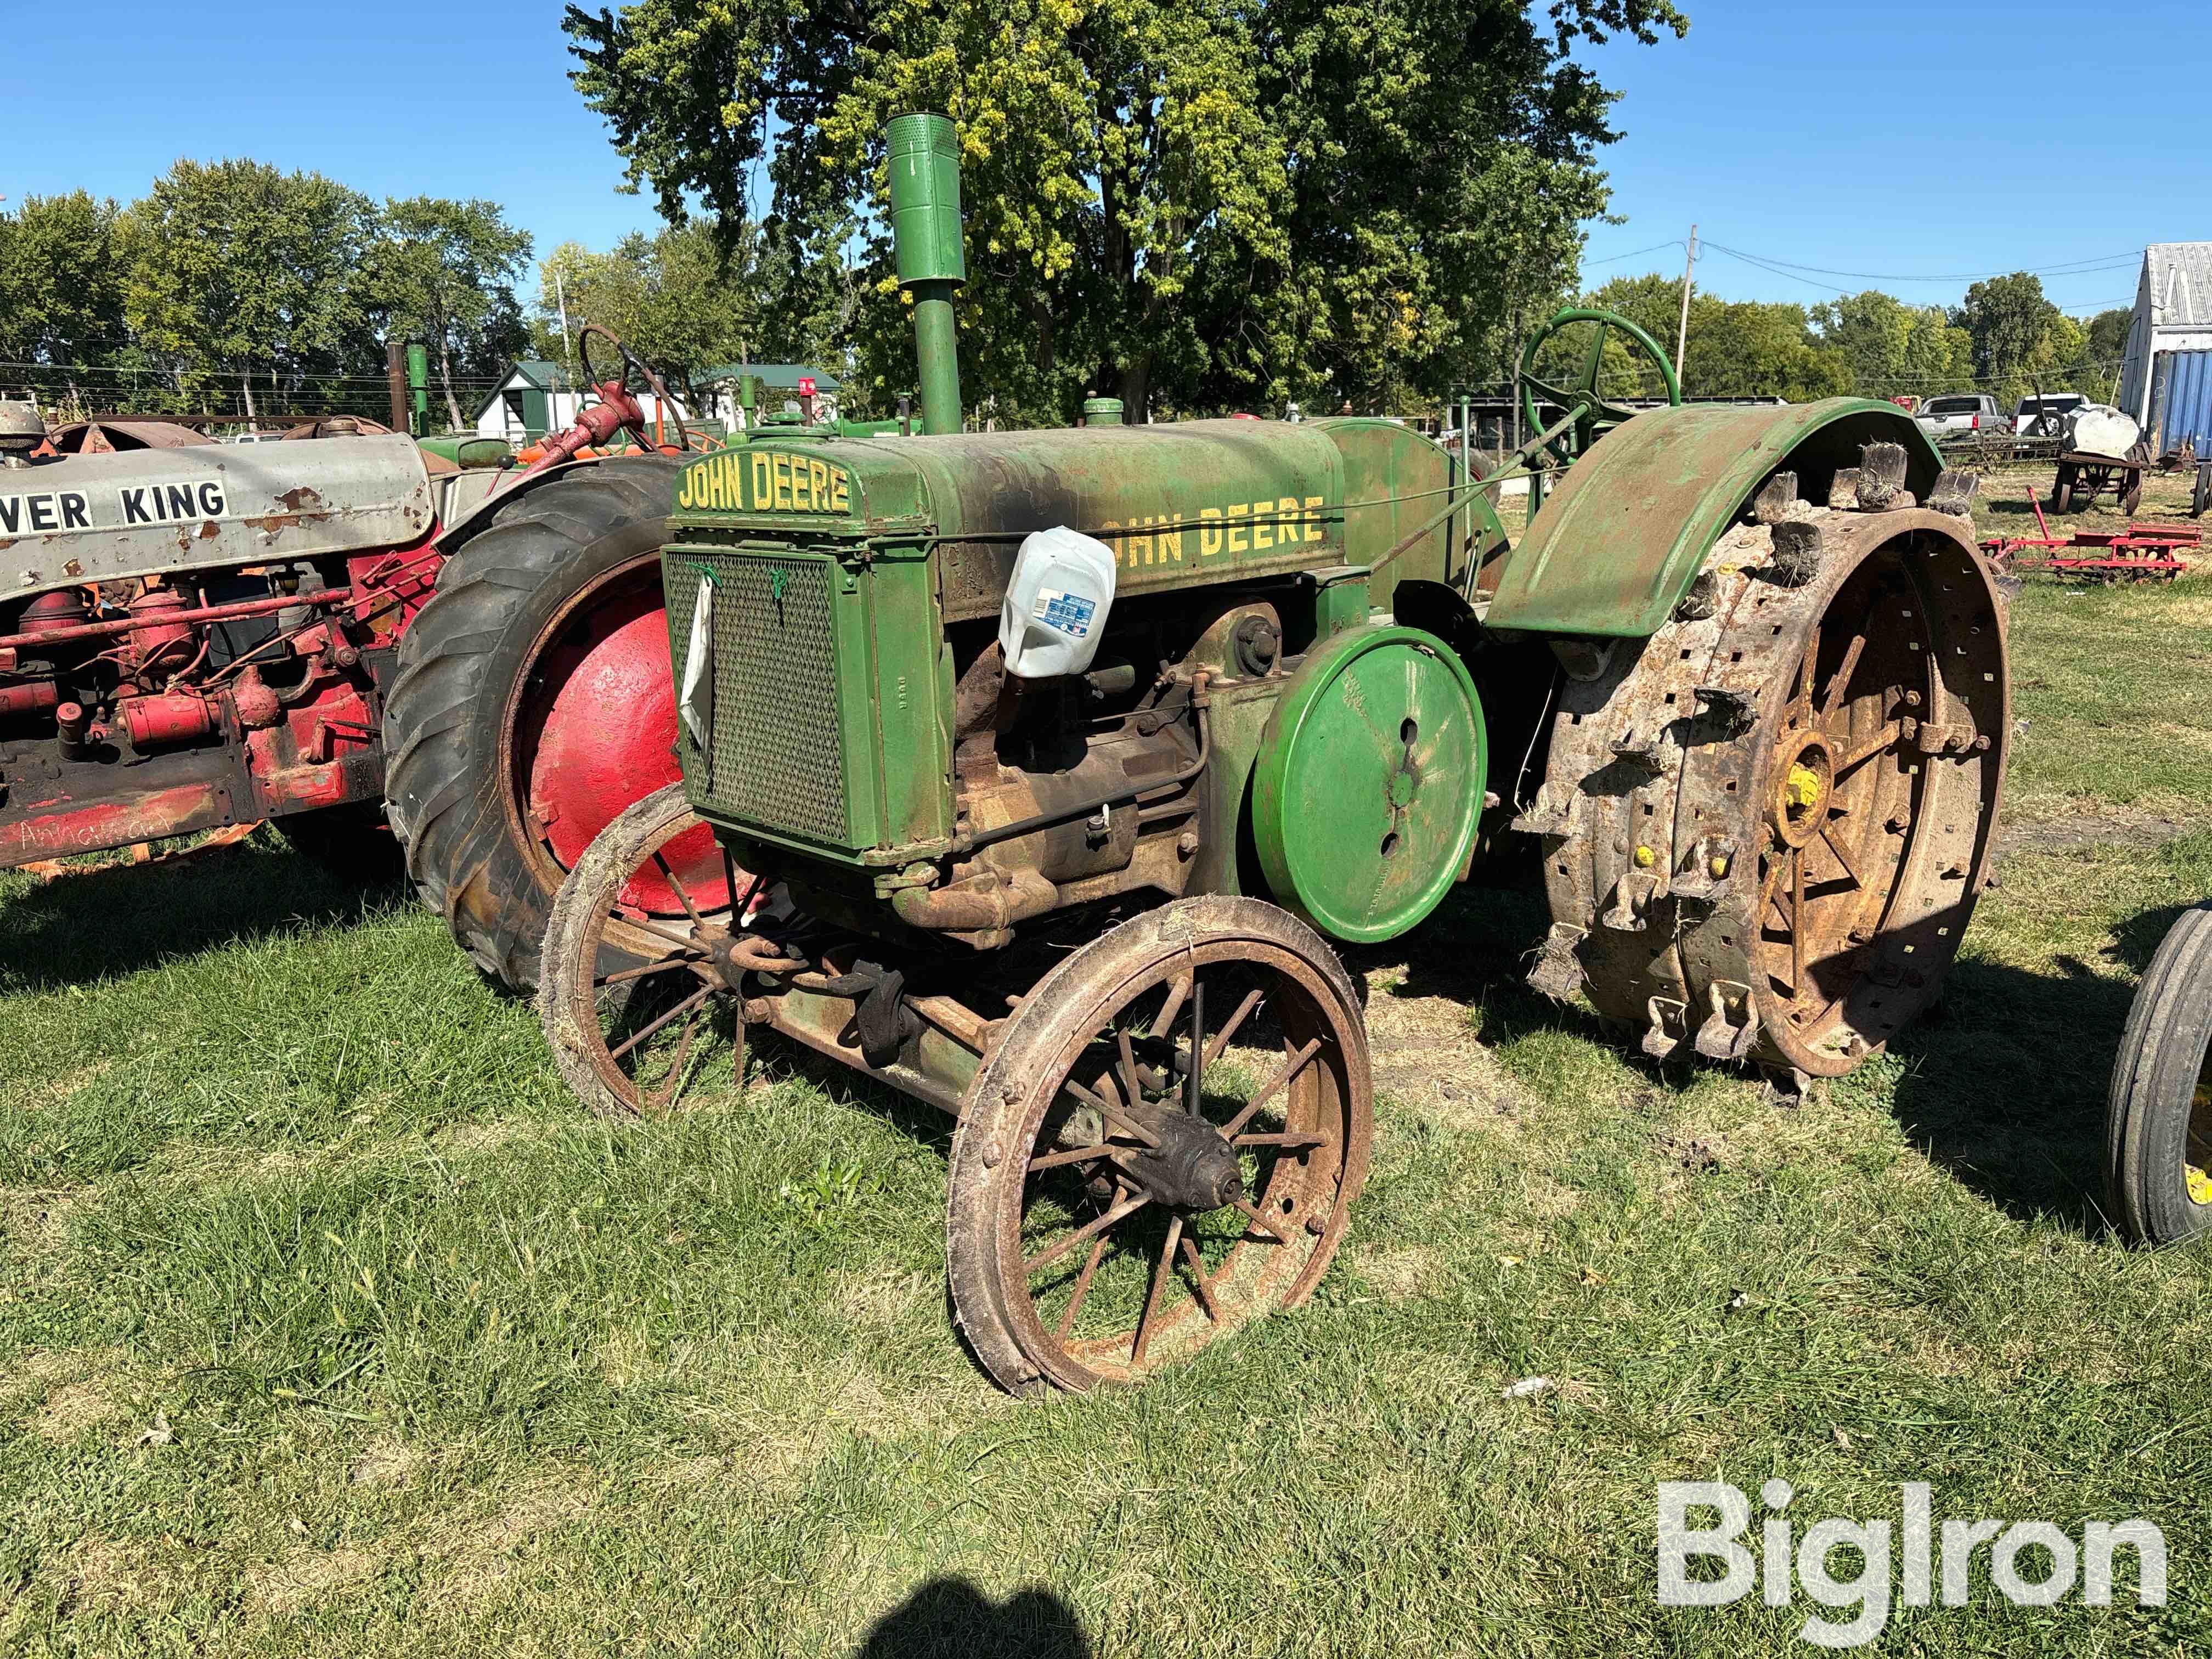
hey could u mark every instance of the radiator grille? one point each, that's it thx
(776, 760)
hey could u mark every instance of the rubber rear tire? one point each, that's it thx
(2154, 1084)
(451, 789)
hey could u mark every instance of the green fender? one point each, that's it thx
(1628, 528)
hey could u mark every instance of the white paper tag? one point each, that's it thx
(697, 699)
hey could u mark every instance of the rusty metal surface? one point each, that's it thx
(276, 603)
(1095, 1233)
(1630, 525)
(105, 518)
(105, 435)
(69, 828)
(1747, 872)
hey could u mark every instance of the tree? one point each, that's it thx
(1736, 347)
(683, 300)
(2108, 335)
(237, 266)
(2105, 343)
(62, 281)
(1892, 347)
(2020, 338)
(1192, 203)
(443, 271)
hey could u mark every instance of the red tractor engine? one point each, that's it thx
(203, 634)
(206, 637)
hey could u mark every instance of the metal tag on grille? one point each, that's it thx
(697, 699)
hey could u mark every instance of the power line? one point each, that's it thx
(2071, 267)
(1614, 258)
(1773, 270)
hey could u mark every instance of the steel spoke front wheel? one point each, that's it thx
(637, 1003)
(1164, 1145)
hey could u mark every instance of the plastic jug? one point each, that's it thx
(1056, 604)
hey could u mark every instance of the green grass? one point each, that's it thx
(327, 1326)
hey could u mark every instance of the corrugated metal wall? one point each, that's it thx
(2181, 400)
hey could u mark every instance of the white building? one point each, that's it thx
(2173, 312)
(535, 398)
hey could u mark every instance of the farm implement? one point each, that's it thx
(1039, 776)
(2142, 552)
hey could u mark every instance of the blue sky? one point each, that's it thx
(1900, 139)
(1912, 139)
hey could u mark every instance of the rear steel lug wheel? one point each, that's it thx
(1164, 1144)
(1787, 879)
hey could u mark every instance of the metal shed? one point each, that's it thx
(2173, 313)
(2181, 400)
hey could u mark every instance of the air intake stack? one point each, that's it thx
(925, 165)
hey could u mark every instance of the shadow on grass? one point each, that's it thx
(952, 1617)
(2005, 1086)
(1477, 951)
(772, 1056)
(111, 919)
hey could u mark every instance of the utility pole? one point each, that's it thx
(561, 298)
(1682, 328)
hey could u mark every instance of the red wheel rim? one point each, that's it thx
(595, 731)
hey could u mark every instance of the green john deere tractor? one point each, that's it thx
(1033, 774)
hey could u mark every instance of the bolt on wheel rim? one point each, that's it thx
(1124, 1259)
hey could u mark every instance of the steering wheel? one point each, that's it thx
(627, 363)
(1589, 416)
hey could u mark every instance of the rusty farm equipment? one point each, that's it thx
(2140, 553)
(196, 636)
(1743, 690)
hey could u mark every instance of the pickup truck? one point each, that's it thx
(2045, 416)
(1961, 411)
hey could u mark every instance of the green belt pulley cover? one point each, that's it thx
(1369, 783)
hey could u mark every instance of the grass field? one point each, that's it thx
(327, 1326)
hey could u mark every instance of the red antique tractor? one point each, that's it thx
(208, 635)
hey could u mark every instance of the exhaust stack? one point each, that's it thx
(925, 166)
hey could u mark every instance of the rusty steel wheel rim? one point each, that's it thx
(1844, 781)
(1767, 828)
(1836, 770)
(1106, 1276)
(655, 1016)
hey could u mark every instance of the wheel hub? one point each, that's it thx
(1193, 1169)
(1804, 779)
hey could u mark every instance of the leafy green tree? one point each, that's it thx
(683, 300)
(443, 272)
(1736, 349)
(1188, 203)
(62, 280)
(2021, 340)
(1890, 347)
(240, 270)
(2107, 340)
(1743, 349)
